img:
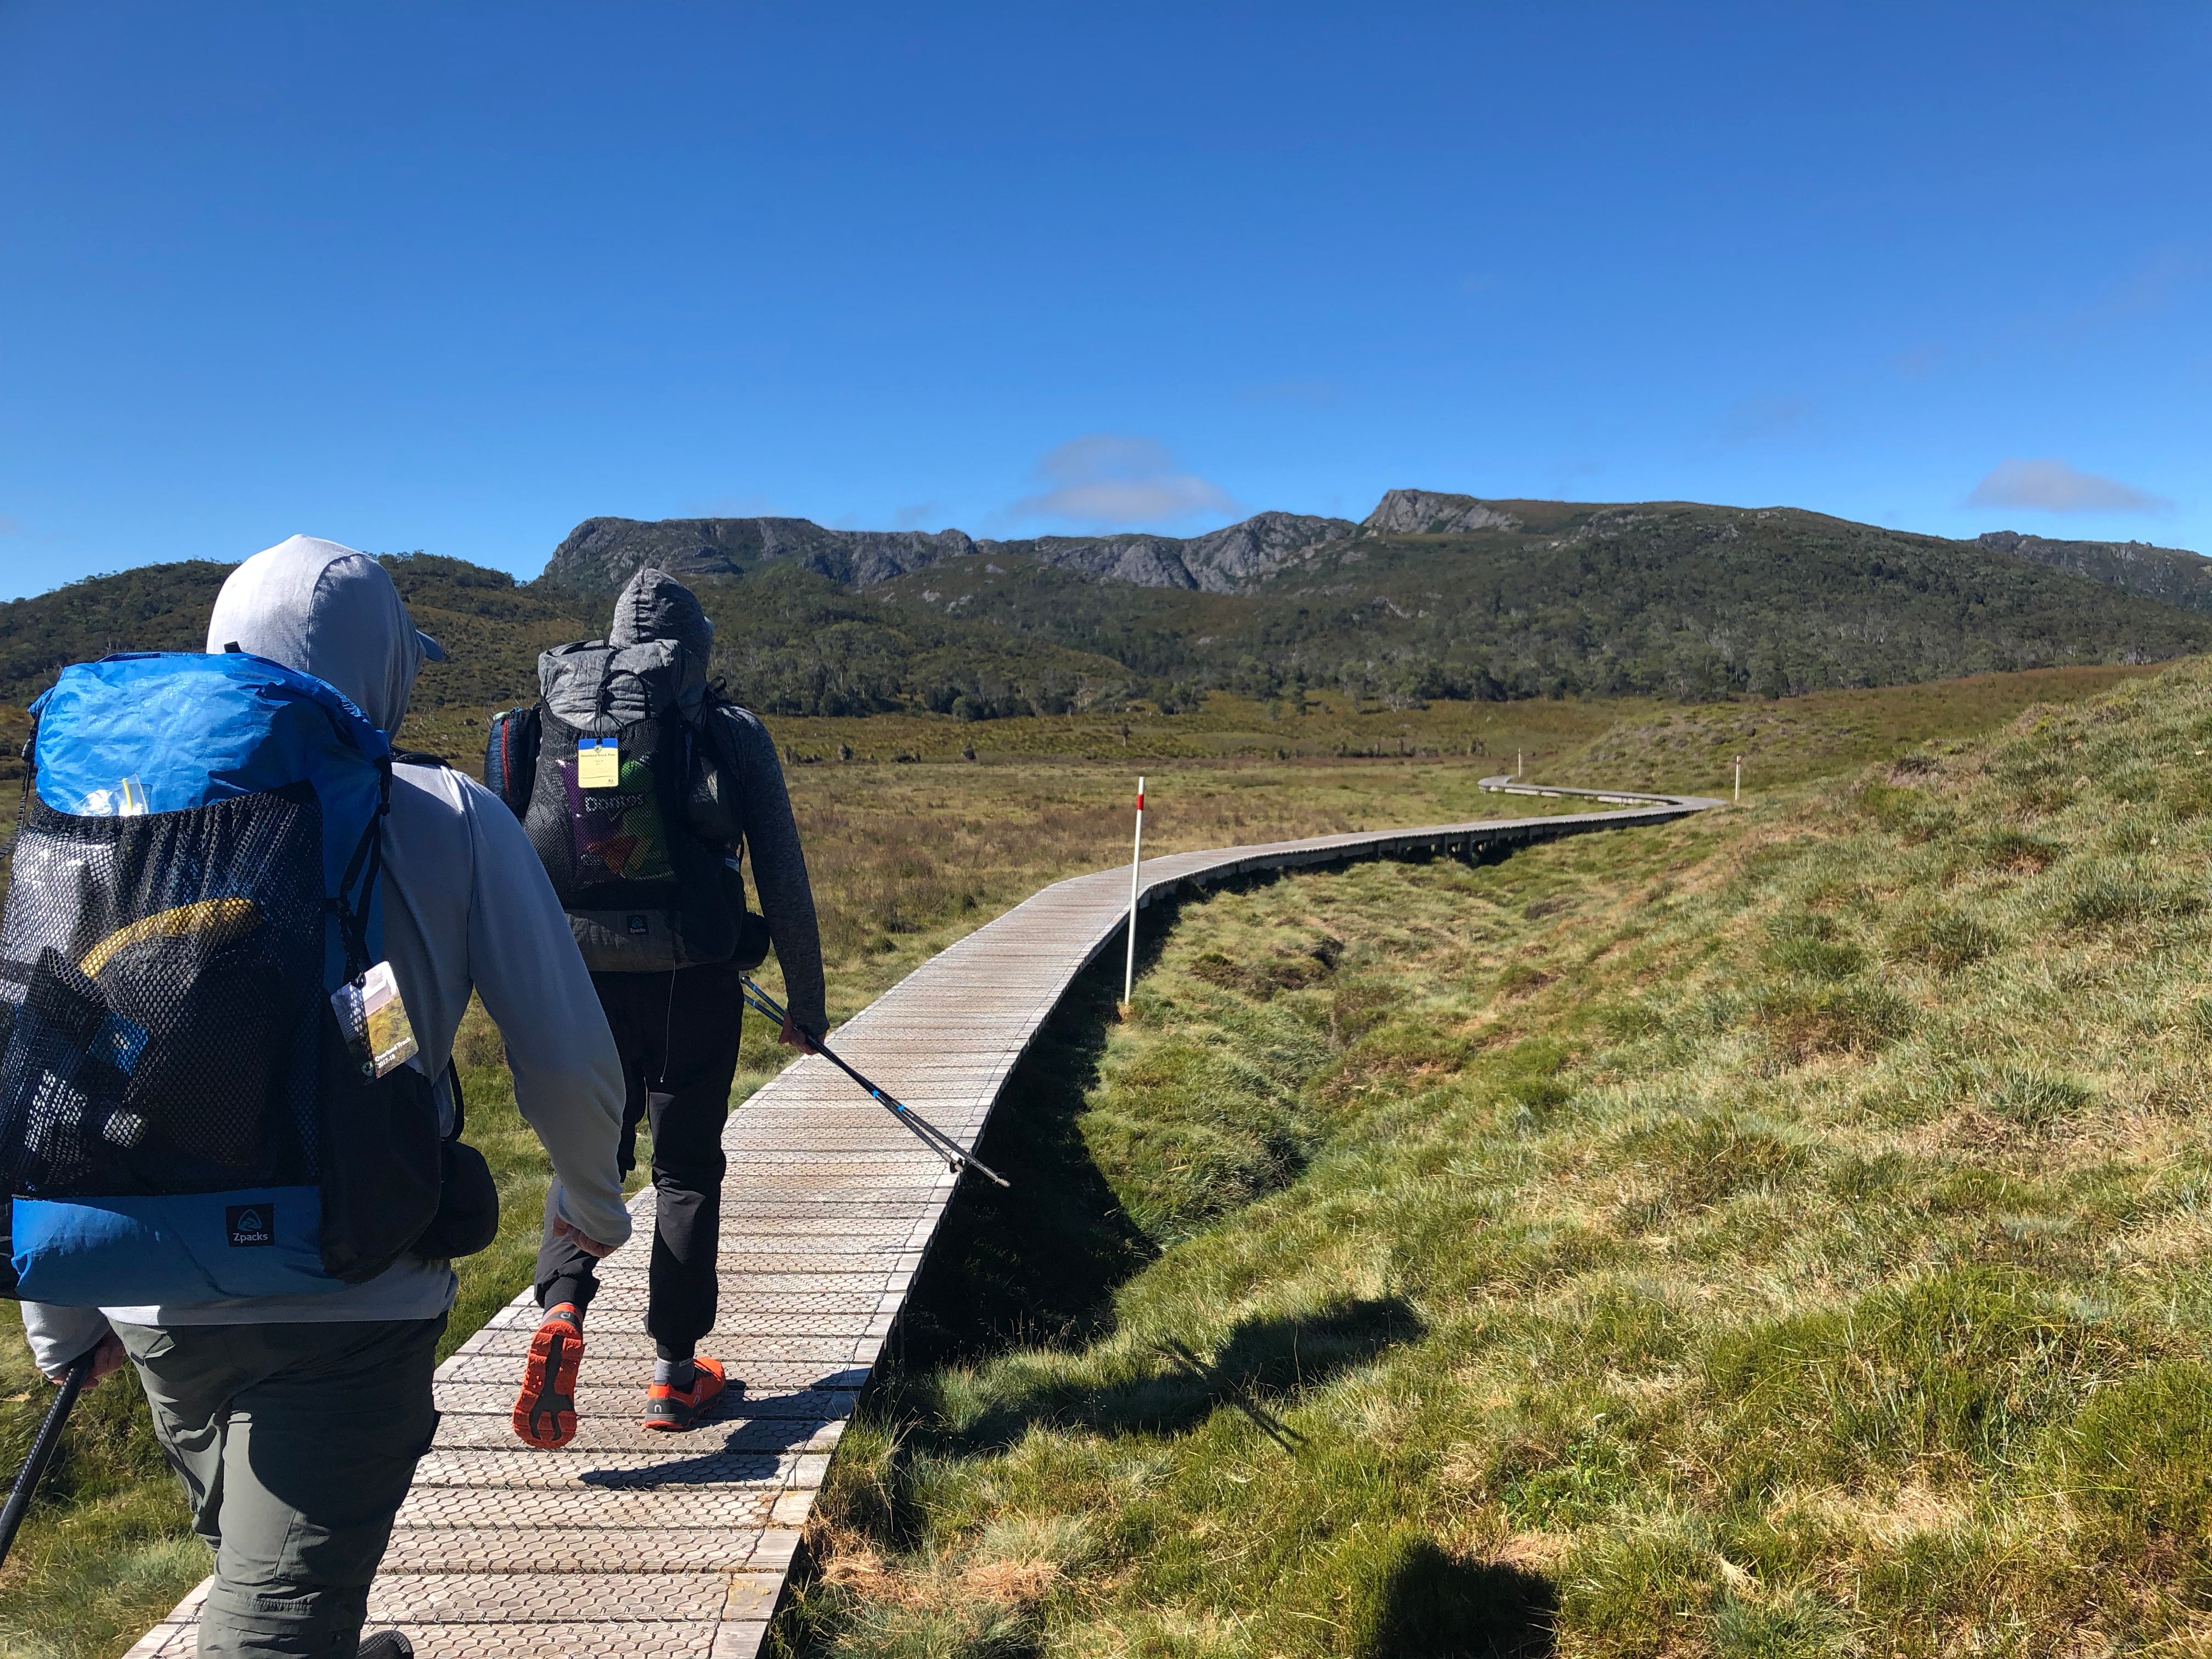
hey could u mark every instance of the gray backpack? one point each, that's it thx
(631, 808)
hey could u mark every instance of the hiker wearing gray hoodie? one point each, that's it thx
(296, 1422)
(678, 1030)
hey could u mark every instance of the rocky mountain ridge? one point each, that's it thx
(2171, 574)
(1433, 595)
(600, 554)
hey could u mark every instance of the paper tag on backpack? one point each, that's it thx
(375, 1018)
(598, 764)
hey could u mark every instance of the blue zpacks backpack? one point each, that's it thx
(183, 1117)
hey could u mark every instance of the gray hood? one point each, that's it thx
(656, 606)
(326, 611)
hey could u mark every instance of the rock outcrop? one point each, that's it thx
(601, 554)
(2171, 574)
(1429, 512)
(1225, 560)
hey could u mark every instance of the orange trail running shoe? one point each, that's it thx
(667, 1406)
(546, 1410)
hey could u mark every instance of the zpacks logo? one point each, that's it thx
(251, 1225)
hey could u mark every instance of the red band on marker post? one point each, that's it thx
(1140, 801)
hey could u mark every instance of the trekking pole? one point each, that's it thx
(42, 1450)
(925, 1132)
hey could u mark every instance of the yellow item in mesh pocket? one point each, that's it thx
(374, 1019)
(213, 922)
(598, 764)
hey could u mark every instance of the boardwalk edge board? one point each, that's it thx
(631, 1545)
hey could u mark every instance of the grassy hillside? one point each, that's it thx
(1780, 1233)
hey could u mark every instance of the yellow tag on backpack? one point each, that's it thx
(598, 764)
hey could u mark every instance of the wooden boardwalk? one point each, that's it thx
(627, 1545)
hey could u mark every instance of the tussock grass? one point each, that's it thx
(1781, 1234)
(1371, 1135)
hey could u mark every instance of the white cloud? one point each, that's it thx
(2052, 485)
(1108, 480)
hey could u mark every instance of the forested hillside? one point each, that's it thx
(1548, 599)
(156, 607)
(787, 641)
(1433, 596)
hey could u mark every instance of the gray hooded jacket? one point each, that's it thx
(466, 908)
(656, 606)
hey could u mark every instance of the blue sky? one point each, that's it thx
(457, 277)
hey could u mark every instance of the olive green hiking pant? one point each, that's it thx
(295, 1443)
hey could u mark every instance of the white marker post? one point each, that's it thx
(1739, 780)
(1136, 858)
(1517, 763)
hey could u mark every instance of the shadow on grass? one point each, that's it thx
(1430, 1605)
(1035, 1264)
(1264, 1362)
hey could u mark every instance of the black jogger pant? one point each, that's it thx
(678, 1035)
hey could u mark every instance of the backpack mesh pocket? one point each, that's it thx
(594, 838)
(160, 977)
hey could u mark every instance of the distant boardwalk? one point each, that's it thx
(629, 1544)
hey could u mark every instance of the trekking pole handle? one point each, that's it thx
(930, 1135)
(42, 1450)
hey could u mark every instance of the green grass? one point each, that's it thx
(1294, 1046)
(1780, 1233)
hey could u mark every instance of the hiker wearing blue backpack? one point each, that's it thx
(643, 792)
(239, 936)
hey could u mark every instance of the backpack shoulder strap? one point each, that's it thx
(357, 887)
(717, 714)
(511, 757)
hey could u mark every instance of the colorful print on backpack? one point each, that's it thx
(618, 834)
